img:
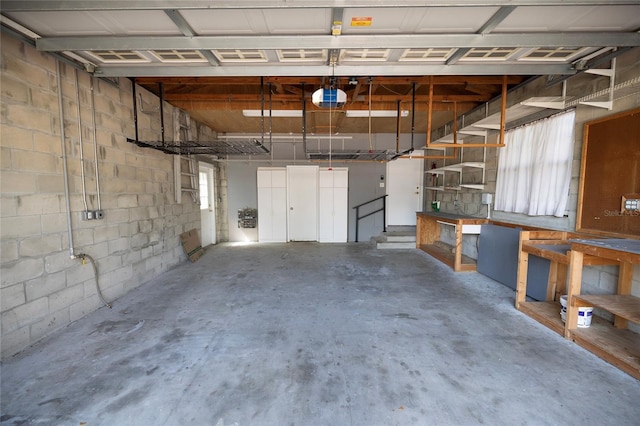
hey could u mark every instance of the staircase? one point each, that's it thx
(396, 237)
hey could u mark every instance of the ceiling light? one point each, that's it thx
(376, 113)
(272, 113)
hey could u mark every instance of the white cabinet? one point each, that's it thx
(333, 205)
(272, 204)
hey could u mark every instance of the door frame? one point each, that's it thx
(209, 170)
(416, 185)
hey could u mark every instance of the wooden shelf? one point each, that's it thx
(447, 256)
(620, 347)
(457, 168)
(428, 238)
(546, 313)
(623, 306)
(613, 343)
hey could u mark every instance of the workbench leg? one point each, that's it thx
(575, 286)
(521, 284)
(457, 264)
(624, 288)
(560, 281)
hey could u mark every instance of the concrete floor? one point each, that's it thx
(311, 334)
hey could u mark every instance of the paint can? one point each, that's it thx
(585, 313)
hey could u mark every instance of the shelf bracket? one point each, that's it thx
(606, 72)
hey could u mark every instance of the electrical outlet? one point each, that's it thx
(99, 214)
(87, 215)
(630, 203)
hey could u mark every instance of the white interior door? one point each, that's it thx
(272, 204)
(333, 205)
(302, 203)
(207, 205)
(404, 189)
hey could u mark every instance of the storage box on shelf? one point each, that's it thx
(612, 342)
(554, 246)
(428, 237)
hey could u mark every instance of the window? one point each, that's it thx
(534, 167)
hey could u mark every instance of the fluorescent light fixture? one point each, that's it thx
(376, 113)
(274, 113)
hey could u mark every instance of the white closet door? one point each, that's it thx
(333, 205)
(302, 190)
(272, 204)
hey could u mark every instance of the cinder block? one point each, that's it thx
(144, 174)
(40, 246)
(139, 241)
(126, 201)
(58, 261)
(8, 206)
(12, 296)
(17, 183)
(47, 143)
(27, 117)
(105, 233)
(19, 68)
(108, 264)
(118, 216)
(8, 251)
(5, 158)
(83, 237)
(16, 137)
(37, 204)
(21, 270)
(43, 100)
(145, 200)
(50, 184)
(54, 222)
(139, 213)
(131, 257)
(66, 297)
(124, 171)
(30, 161)
(119, 246)
(30, 312)
(45, 285)
(145, 226)
(79, 273)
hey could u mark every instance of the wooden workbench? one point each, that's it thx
(612, 342)
(428, 237)
(554, 246)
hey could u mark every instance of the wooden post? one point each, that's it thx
(575, 286)
(624, 288)
(523, 267)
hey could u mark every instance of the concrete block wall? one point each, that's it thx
(42, 289)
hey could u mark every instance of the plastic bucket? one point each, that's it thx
(584, 313)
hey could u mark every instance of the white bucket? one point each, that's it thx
(584, 313)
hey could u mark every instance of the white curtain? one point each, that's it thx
(534, 167)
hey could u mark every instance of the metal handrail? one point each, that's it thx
(383, 210)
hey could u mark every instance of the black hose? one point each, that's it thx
(84, 256)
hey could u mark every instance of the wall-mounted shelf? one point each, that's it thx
(457, 168)
(513, 113)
